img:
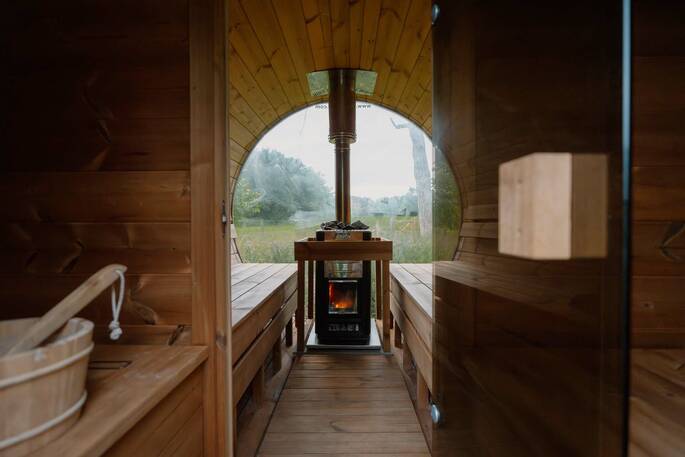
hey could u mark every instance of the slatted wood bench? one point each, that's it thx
(411, 305)
(263, 301)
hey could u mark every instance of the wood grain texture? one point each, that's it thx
(152, 374)
(658, 228)
(254, 309)
(411, 303)
(506, 329)
(274, 44)
(336, 404)
(656, 398)
(102, 174)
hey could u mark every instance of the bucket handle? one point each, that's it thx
(70, 305)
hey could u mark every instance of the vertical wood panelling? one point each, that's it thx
(317, 16)
(411, 42)
(390, 25)
(355, 30)
(267, 29)
(372, 12)
(294, 30)
(340, 27)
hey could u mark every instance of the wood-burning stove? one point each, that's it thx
(343, 296)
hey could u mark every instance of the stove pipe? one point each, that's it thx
(342, 132)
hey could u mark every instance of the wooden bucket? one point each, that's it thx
(42, 390)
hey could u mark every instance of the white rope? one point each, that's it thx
(12, 440)
(45, 370)
(114, 327)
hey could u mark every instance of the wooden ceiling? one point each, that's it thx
(275, 43)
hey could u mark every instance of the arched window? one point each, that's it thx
(285, 188)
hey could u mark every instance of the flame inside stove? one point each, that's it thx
(341, 298)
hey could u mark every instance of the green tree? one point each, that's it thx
(283, 186)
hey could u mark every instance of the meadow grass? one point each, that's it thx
(263, 242)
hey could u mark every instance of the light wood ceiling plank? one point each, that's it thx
(428, 125)
(420, 79)
(423, 109)
(340, 25)
(416, 29)
(243, 39)
(317, 16)
(291, 18)
(372, 13)
(239, 132)
(237, 152)
(356, 24)
(246, 85)
(390, 25)
(263, 19)
(241, 109)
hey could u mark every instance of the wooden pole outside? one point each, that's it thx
(299, 314)
(386, 305)
(310, 289)
(379, 290)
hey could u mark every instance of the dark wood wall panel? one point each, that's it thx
(658, 238)
(95, 160)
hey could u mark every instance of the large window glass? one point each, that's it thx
(285, 188)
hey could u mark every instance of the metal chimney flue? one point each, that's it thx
(342, 132)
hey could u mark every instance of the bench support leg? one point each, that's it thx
(386, 305)
(422, 393)
(398, 336)
(289, 333)
(258, 387)
(299, 314)
(277, 355)
(310, 289)
(379, 291)
(406, 358)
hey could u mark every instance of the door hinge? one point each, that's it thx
(224, 218)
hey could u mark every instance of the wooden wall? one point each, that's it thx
(95, 157)
(525, 352)
(658, 174)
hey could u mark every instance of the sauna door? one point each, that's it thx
(527, 353)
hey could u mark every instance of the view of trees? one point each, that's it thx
(274, 188)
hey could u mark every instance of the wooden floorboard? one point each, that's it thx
(344, 405)
(657, 397)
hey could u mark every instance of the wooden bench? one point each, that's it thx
(411, 306)
(263, 301)
(142, 400)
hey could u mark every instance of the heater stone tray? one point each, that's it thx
(374, 343)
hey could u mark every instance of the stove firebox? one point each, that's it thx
(343, 298)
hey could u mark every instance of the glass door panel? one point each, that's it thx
(527, 353)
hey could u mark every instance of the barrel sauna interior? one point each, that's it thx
(124, 125)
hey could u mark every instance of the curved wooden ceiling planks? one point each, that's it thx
(275, 43)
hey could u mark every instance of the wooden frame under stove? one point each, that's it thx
(378, 250)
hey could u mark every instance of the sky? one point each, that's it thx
(381, 163)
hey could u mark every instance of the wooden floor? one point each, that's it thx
(657, 400)
(344, 405)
